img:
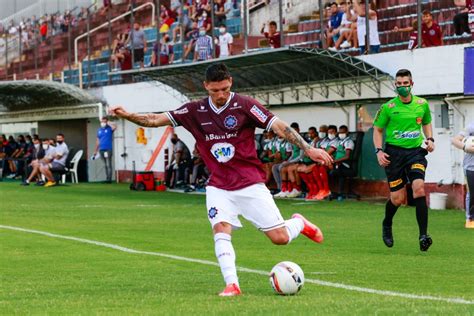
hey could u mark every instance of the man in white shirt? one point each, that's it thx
(58, 163)
(225, 42)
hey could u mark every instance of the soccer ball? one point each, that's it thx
(286, 278)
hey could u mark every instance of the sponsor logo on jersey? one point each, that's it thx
(418, 166)
(262, 117)
(421, 101)
(181, 111)
(391, 105)
(235, 106)
(210, 137)
(418, 120)
(230, 122)
(212, 212)
(406, 135)
(206, 123)
(395, 183)
(223, 152)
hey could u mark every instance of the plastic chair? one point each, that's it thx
(73, 170)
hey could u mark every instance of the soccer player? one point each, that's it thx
(224, 128)
(405, 119)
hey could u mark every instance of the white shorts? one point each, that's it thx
(255, 203)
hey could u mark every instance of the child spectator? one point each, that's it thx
(166, 54)
(430, 31)
(203, 49)
(272, 35)
(374, 39)
(225, 42)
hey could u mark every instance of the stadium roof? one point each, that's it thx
(263, 70)
(37, 94)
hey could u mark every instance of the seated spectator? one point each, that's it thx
(178, 164)
(335, 20)
(10, 150)
(44, 155)
(290, 180)
(203, 47)
(199, 173)
(118, 44)
(125, 58)
(430, 31)
(57, 164)
(460, 20)
(348, 29)
(272, 35)
(225, 42)
(374, 39)
(18, 154)
(137, 41)
(343, 149)
(166, 52)
(186, 25)
(268, 154)
(44, 31)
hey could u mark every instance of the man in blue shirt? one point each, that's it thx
(335, 20)
(103, 145)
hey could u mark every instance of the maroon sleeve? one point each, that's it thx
(259, 115)
(182, 116)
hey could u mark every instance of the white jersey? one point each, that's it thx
(224, 41)
(374, 31)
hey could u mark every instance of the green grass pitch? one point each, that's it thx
(45, 275)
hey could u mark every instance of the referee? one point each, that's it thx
(404, 118)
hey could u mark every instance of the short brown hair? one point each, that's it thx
(427, 12)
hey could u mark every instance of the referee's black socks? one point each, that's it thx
(390, 211)
(422, 214)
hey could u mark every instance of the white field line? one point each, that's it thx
(453, 300)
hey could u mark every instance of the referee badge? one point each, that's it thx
(418, 120)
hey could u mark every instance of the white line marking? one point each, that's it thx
(322, 272)
(453, 300)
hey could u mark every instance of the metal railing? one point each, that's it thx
(106, 24)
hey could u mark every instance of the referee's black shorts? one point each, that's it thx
(406, 165)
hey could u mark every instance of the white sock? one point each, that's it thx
(294, 226)
(226, 257)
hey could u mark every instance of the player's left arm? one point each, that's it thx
(282, 129)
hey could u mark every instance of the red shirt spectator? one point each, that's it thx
(430, 31)
(44, 29)
(272, 35)
(126, 62)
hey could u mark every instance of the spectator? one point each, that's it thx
(283, 153)
(219, 12)
(125, 58)
(332, 32)
(272, 35)
(18, 154)
(191, 38)
(347, 33)
(343, 149)
(44, 31)
(305, 169)
(57, 164)
(186, 23)
(10, 150)
(179, 163)
(374, 39)
(203, 48)
(117, 55)
(166, 53)
(104, 144)
(225, 42)
(430, 31)
(204, 21)
(413, 41)
(228, 8)
(137, 40)
(460, 21)
(45, 154)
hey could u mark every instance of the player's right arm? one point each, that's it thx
(380, 122)
(145, 120)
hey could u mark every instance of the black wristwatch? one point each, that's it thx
(430, 138)
(377, 150)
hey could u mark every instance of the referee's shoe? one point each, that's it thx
(387, 236)
(425, 242)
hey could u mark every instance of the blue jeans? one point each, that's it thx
(374, 49)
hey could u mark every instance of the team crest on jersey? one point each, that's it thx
(223, 152)
(262, 117)
(212, 212)
(230, 122)
(202, 108)
(418, 120)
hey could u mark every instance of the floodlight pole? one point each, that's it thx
(132, 32)
(321, 24)
(20, 51)
(158, 34)
(181, 24)
(367, 26)
(280, 14)
(245, 29)
(212, 30)
(109, 42)
(419, 26)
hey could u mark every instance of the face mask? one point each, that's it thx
(28, 142)
(37, 146)
(204, 15)
(322, 134)
(59, 142)
(202, 33)
(45, 147)
(331, 136)
(266, 141)
(103, 124)
(403, 91)
(222, 30)
(174, 141)
(342, 136)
